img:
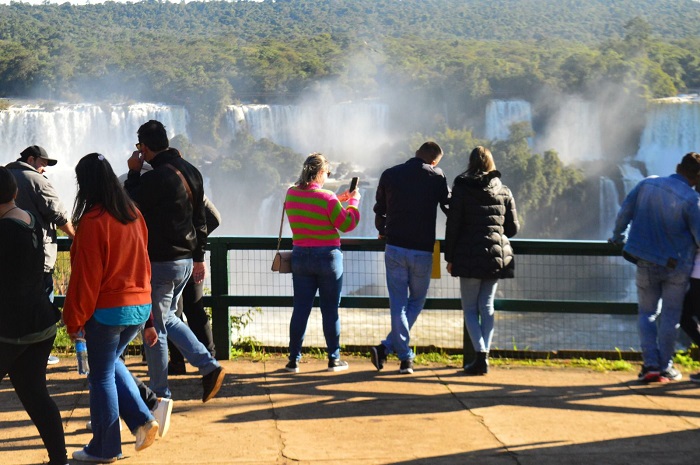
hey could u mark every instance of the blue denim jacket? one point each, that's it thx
(665, 217)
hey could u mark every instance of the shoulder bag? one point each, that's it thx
(282, 262)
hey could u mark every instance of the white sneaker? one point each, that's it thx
(88, 425)
(146, 435)
(162, 412)
(52, 360)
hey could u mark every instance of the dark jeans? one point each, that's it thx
(26, 365)
(690, 318)
(197, 319)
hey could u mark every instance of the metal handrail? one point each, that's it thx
(220, 301)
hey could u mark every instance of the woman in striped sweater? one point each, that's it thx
(315, 216)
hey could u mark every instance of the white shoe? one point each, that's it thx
(162, 412)
(52, 360)
(88, 425)
(146, 435)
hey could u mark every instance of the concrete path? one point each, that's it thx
(512, 416)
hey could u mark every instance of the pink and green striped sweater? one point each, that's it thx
(316, 215)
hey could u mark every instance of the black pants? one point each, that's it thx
(26, 365)
(197, 319)
(690, 318)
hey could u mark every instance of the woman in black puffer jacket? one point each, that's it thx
(481, 218)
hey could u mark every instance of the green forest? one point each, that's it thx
(450, 56)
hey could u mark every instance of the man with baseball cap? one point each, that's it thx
(36, 195)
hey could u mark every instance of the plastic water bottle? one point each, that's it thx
(81, 355)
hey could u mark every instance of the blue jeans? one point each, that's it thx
(407, 279)
(477, 303)
(168, 279)
(658, 324)
(316, 269)
(113, 392)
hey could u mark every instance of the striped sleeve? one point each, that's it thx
(316, 215)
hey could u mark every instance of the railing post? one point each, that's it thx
(221, 323)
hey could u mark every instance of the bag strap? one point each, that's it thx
(184, 182)
(279, 238)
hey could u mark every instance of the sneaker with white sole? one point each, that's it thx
(162, 412)
(52, 360)
(335, 364)
(292, 366)
(406, 367)
(146, 435)
(670, 375)
(82, 456)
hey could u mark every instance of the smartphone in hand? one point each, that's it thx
(353, 184)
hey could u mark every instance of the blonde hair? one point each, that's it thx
(480, 161)
(313, 166)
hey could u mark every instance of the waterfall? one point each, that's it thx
(672, 130)
(609, 206)
(501, 114)
(70, 131)
(631, 176)
(343, 131)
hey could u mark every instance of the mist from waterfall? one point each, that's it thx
(349, 131)
(574, 131)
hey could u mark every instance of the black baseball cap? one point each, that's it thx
(37, 152)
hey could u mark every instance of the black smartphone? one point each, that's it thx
(353, 183)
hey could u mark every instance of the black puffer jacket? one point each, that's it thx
(482, 216)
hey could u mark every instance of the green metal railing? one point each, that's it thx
(220, 300)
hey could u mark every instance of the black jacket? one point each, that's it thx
(407, 200)
(482, 217)
(24, 306)
(177, 227)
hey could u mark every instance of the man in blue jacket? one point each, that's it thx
(662, 241)
(406, 211)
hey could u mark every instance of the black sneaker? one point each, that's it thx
(695, 378)
(670, 375)
(211, 383)
(378, 356)
(292, 366)
(649, 374)
(406, 367)
(335, 364)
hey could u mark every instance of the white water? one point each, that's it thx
(70, 131)
(672, 130)
(501, 114)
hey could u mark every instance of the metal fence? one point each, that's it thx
(568, 296)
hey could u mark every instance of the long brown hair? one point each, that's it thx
(480, 161)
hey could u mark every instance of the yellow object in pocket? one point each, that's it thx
(435, 274)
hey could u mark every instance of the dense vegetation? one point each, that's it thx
(449, 56)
